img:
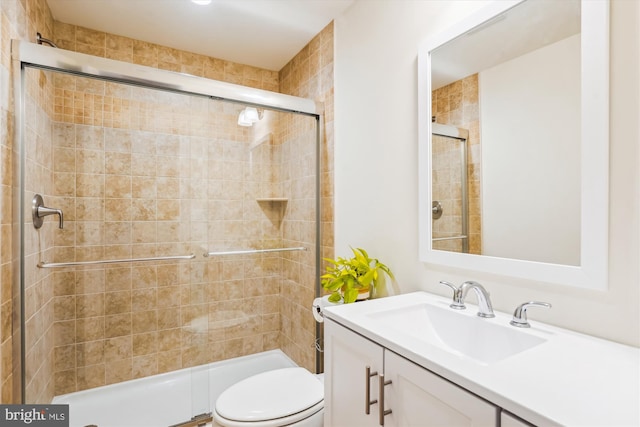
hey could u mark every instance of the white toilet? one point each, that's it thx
(281, 397)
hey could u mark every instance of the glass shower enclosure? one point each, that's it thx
(450, 205)
(171, 234)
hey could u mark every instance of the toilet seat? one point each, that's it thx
(274, 398)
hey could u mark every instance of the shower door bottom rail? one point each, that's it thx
(196, 421)
(253, 251)
(44, 264)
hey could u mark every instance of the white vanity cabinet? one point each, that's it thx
(413, 395)
(453, 368)
(347, 355)
(509, 420)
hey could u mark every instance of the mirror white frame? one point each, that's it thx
(592, 273)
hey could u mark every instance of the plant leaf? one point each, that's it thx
(335, 297)
(367, 278)
(350, 295)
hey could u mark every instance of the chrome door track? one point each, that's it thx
(196, 421)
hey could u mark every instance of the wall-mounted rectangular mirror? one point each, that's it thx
(513, 116)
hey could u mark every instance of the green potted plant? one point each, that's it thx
(355, 278)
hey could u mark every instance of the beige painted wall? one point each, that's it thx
(376, 147)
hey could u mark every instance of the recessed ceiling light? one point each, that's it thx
(201, 2)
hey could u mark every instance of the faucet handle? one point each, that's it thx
(442, 282)
(520, 314)
(457, 303)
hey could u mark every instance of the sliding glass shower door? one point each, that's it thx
(177, 237)
(449, 193)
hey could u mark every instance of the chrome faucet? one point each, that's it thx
(520, 313)
(460, 293)
(484, 302)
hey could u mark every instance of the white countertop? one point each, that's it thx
(572, 379)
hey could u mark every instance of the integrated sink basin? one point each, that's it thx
(546, 375)
(457, 331)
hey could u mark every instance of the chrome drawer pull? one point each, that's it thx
(383, 412)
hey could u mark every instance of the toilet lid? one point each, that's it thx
(273, 394)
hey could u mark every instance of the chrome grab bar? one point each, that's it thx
(253, 251)
(44, 264)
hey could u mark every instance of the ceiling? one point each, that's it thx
(261, 33)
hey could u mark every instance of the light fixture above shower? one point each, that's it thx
(249, 116)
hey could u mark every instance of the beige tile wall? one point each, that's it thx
(178, 177)
(7, 30)
(310, 75)
(20, 19)
(38, 283)
(457, 104)
(111, 46)
(446, 164)
(90, 343)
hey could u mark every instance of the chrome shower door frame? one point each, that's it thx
(29, 55)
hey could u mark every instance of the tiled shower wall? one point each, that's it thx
(446, 182)
(105, 45)
(39, 292)
(457, 104)
(309, 74)
(176, 176)
(20, 19)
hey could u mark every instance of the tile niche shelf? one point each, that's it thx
(274, 208)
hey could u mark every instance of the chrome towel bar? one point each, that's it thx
(43, 264)
(254, 251)
(439, 239)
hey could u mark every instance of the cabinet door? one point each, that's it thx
(347, 355)
(418, 397)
